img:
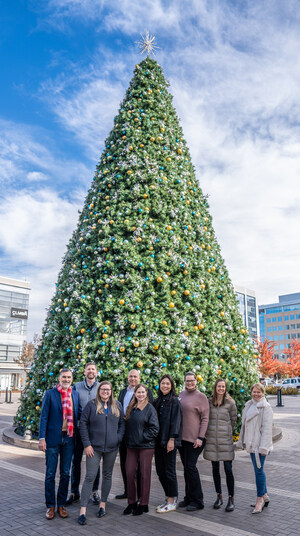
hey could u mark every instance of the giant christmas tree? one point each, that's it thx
(143, 284)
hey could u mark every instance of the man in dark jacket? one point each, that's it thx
(125, 397)
(87, 390)
(60, 413)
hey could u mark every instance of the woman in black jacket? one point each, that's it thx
(169, 413)
(102, 428)
(141, 430)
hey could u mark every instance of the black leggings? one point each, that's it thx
(229, 477)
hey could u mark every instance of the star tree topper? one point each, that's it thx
(146, 44)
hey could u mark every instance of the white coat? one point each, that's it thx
(256, 430)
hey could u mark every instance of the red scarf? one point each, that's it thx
(67, 408)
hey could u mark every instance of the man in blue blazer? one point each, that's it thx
(60, 412)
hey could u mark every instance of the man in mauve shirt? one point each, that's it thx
(195, 415)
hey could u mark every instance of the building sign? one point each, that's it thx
(19, 313)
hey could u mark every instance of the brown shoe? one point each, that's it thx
(62, 512)
(50, 513)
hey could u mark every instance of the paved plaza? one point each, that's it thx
(22, 508)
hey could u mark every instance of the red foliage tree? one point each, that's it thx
(267, 364)
(293, 358)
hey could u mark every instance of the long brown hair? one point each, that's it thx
(214, 396)
(113, 403)
(134, 401)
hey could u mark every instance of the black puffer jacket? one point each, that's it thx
(142, 428)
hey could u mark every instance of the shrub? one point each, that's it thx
(272, 390)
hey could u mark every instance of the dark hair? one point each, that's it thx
(214, 396)
(190, 374)
(160, 394)
(90, 363)
(134, 401)
(113, 403)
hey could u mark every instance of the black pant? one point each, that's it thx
(165, 463)
(229, 477)
(189, 457)
(76, 467)
(123, 454)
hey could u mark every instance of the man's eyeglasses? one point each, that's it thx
(190, 381)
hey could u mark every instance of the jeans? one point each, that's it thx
(189, 457)
(92, 466)
(229, 477)
(76, 467)
(165, 463)
(64, 450)
(260, 475)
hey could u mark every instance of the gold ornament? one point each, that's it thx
(164, 323)
(173, 292)
(38, 408)
(185, 272)
(171, 305)
(122, 302)
(222, 313)
(122, 349)
(133, 326)
(199, 378)
(104, 336)
(136, 344)
(139, 364)
(201, 326)
(156, 347)
(82, 330)
(186, 292)
(159, 279)
(99, 291)
(107, 322)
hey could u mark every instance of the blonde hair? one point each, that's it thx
(113, 403)
(134, 401)
(258, 386)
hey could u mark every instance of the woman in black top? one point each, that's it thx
(169, 413)
(141, 430)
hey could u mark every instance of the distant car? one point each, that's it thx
(290, 382)
(267, 381)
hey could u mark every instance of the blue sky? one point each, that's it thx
(234, 69)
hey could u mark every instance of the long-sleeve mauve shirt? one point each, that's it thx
(195, 415)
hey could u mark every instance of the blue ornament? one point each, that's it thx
(156, 388)
(50, 373)
(187, 358)
(102, 343)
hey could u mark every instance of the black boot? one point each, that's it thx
(230, 505)
(218, 502)
(129, 509)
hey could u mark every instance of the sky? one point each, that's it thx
(234, 70)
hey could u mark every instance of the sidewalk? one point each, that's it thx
(22, 506)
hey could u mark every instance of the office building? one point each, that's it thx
(14, 299)
(248, 308)
(280, 322)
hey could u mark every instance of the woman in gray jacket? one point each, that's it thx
(219, 442)
(102, 428)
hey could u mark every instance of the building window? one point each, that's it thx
(298, 335)
(281, 347)
(269, 330)
(268, 320)
(297, 316)
(288, 336)
(298, 326)
(292, 317)
(281, 337)
(279, 319)
(274, 328)
(280, 328)
(9, 353)
(275, 338)
(293, 326)
(286, 317)
(274, 319)
(287, 326)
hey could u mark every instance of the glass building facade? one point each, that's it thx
(280, 322)
(14, 302)
(248, 308)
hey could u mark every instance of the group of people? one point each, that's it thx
(88, 419)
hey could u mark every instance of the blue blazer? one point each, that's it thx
(51, 419)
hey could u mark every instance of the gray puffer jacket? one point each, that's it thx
(219, 442)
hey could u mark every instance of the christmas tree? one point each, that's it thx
(143, 283)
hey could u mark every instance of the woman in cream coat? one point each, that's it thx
(219, 443)
(256, 438)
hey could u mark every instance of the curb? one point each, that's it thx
(9, 436)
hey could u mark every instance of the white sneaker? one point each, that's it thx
(168, 507)
(162, 504)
